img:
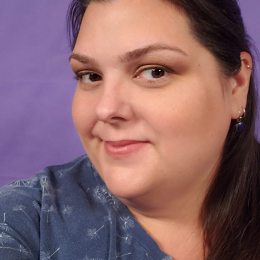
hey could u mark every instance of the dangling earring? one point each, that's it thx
(240, 124)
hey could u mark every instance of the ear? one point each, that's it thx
(240, 85)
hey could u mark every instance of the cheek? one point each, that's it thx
(198, 117)
(178, 111)
(82, 113)
(191, 134)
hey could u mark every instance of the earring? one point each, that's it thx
(248, 67)
(240, 124)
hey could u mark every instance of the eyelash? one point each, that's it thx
(165, 71)
(140, 70)
(80, 74)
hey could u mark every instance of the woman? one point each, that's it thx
(165, 108)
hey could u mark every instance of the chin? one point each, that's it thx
(125, 185)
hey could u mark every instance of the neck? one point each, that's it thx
(169, 205)
(178, 234)
(172, 220)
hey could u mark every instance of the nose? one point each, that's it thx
(114, 104)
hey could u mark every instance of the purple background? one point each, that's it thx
(37, 86)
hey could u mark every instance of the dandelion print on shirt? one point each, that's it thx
(66, 212)
(4, 226)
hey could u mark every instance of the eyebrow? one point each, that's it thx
(82, 58)
(138, 53)
(131, 55)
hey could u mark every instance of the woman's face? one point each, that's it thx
(151, 107)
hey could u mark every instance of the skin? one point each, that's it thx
(181, 116)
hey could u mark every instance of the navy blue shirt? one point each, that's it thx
(66, 212)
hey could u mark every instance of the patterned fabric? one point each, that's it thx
(66, 212)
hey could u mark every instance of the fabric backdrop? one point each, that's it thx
(37, 86)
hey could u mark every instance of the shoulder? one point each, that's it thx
(49, 183)
(23, 204)
(54, 173)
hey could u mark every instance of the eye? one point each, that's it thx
(152, 73)
(88, 77)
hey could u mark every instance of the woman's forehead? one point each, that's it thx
(114, 32)
(139, 22)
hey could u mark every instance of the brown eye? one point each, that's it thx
(91, 77)
(88, 77)
(157, 73)
(94, 77)
(153, 73)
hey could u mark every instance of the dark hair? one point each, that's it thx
(230, 214)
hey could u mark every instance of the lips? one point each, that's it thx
(123, 148)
